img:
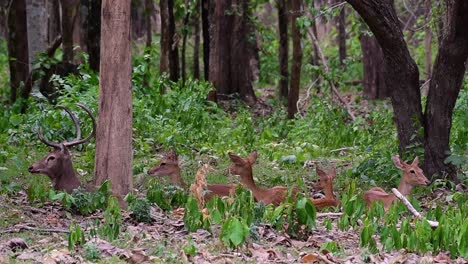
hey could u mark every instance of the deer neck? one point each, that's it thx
(248, 181)
(404, 188)
(66, 178)
(176, 178)
(328, 190)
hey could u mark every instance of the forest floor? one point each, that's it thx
(38, 234)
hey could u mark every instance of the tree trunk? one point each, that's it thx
(342, 35)
(445, 85)
(17, 46)
(54, 22)
(184, 45)
(402, 76)
(205, 10)
(196, 45)
(138, 18)
(427, 42)
(297, 59)
(169, 61)
(113, 158)
(283, 49)
(149, 31)
(373, 68)
(93, 33)
(37, 32)
(68, 16)
(230, 55)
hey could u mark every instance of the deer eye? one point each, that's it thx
(50, 158)
(412, 171)
(163, 164)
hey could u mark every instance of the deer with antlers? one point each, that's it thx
(412, 176)
(57, 164)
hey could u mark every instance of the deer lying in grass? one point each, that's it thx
(169, 166)
(57, 164)
(412, 176)
(325, 183)
(243, 168)
(276, 195)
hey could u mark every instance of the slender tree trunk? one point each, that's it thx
(93, 33)
(373, 68)
(169, 61)
(230, 69)
(297, 59)
(174, 50)
(427, 42)
(68, 15)
(37, 32)
(114, 129)
(138, 18)
(342, 35)
(205, 10)
(445, 85)
(283, 49)
(402, 76)
(149, 31)
(17, 46)
(54, 22)
(196, 45)
(165, 41)
(184, 46)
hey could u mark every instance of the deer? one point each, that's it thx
(325, 183)
(57, 164)
(413, 176)
(169, 166)
(243, 167)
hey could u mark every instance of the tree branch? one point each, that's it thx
(411, 208)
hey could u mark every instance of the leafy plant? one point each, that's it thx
(76, 236)
(112, 220)
(140, 208)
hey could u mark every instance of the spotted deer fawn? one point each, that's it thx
(57, 164)
(412, 176)
(169, 166)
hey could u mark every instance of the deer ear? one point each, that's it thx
(320, 173)
(252, 157)
(235, 158)
(332, 173)
(398, 162)
(415, 161)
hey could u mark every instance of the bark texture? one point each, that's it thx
(342, 35)
(169, 61)
(37, 32)
(445, 85)
(69, 8)
(283, 49)
(17, 47)
(196, 44)
(205, 8)
(231, 52)
(114, 129)
(93, 32)
(297, 60)
(374, 69)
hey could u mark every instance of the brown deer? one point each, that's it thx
(325, 183)
(243, 168)
(412, 176)
(169, 166)
(57, 164)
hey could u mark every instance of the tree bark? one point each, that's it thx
(402, 76)
(37, 32)
(149, 31)
(169, 61)
(342, 35)
(138, 18)
(68, 16)
(283, 49)
(114, 129)
(17, 46)
(93, 33)
(184, 46)
(230, 53)
(165, 42)
(297, 60)
(373, 68)
(205, 10)
(196, 44)
(53, 21)
(427, 42)
(445, 85)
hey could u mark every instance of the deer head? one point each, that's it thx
(57, 164)
(412, 175)
(325, 179)
(243, 167)
(169, 166)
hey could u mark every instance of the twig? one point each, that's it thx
(327, 71)
(41, 230)
(306, 97)
(411, 208)
(344, 148)
(329, 214)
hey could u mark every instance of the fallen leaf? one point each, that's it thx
(309, 258)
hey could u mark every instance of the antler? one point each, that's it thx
(78, 139)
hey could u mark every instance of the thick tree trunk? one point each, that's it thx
(230, 70)
(138, 19)
(174, 50)
(373, 68)
(37, 32)
(93, 33)
(205, 11)
(342, 35)
(297, 59)
(17, 46)
(148, 13)
(54, 22)
(283, 49)
(427, 42)
(196, 44)
(402, 76)
(184, 46)
(114, 129)
(165, 41)
(169, 61)
(447, 77)
(68, 16)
